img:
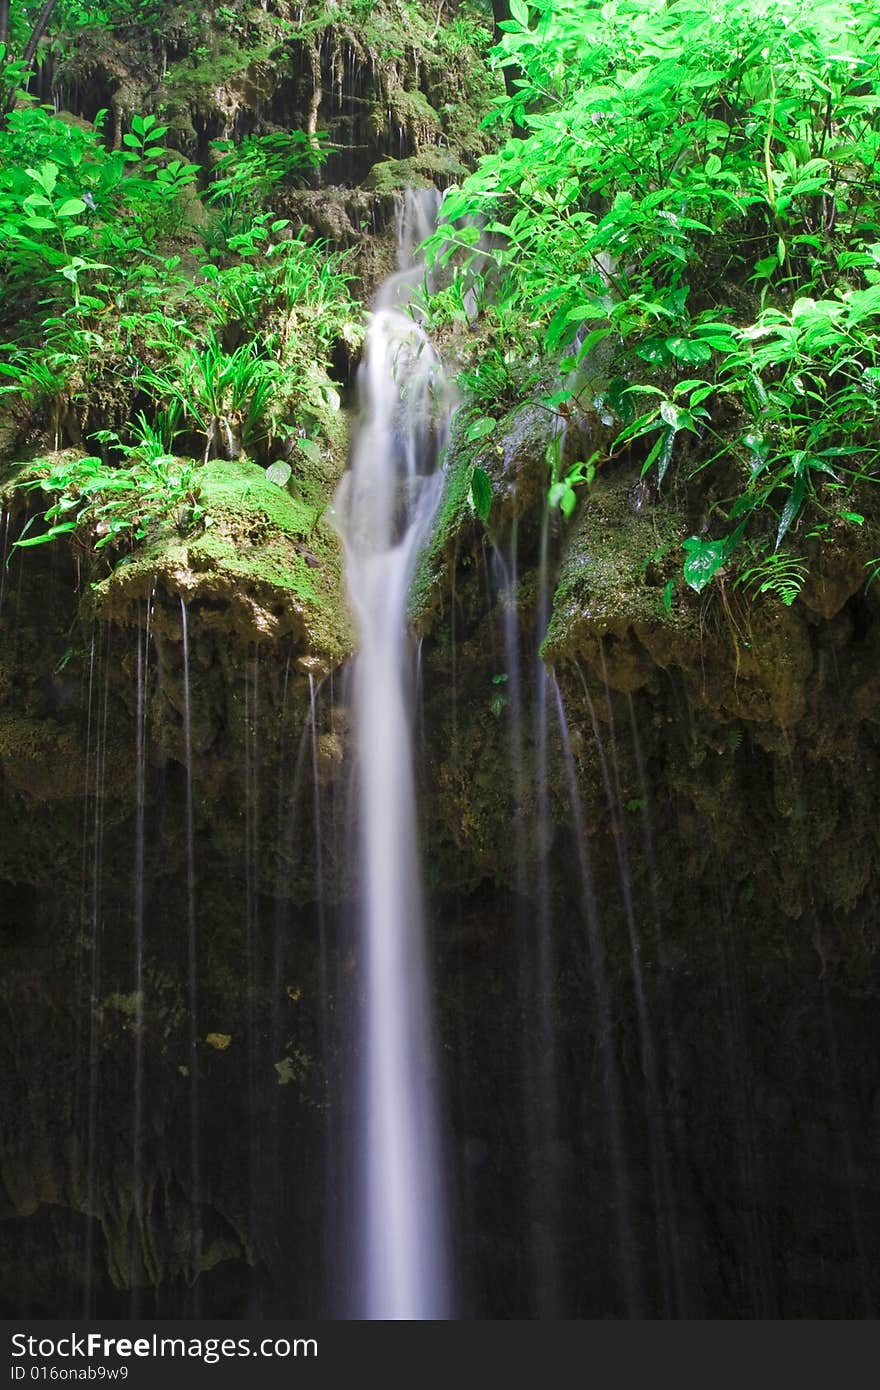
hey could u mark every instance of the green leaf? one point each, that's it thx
(664, 456)
(59, 530)
(689, 349)
(71, 207)
(311, 450)
(790, 510)
(704, 560)
(46, 176)
(481, 493)
(568, 501)
(480, 428)
(584, 313)
(279, 473)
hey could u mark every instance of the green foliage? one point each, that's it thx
(247, 172)
(103, 324)
(500, 699)
(779, 574)
(666, 155)
(112, 506)
(230, 398)
(481, 493)
(704, 559)
(563, 482)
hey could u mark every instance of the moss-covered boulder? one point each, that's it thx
(266, 566)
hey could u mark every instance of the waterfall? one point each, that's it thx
(384, 508)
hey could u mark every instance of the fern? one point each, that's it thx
(779, 574)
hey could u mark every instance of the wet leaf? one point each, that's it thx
(481, 493)
(279, 473)
(480, 428)
(704, 560)
(311, 450)
(791, 509)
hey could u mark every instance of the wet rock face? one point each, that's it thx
(165, 792)
(384, 82)
(723, 922)
(699, 969)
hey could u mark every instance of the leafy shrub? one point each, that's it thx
(666, 156)
(104, 506)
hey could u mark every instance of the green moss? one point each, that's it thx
(267, 554)
(41, 758)
(434, 165)
(453, 514)
(208, 68)
(616, 564)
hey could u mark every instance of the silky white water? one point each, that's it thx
(384, 509)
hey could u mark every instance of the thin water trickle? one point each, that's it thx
(676, 1145)
(4, 550)
(385, 506)
(80, 1098)
(141, 712)
(323, 957)
(610, 769)
(620, 1167)
(525, 687)
(192, 971)
(95, 920)
(258, 1141)
(548, 1208)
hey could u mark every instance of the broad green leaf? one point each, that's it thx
(704, 560)
(279, 473)
(584, 313)
(71, 207)
(480, 428)
(689, 349)
(481, 493)
(568, 502)
(46, 176)
(661, 453)
(50, 535)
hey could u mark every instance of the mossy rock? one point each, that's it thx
(42, 759)
(430, 168)
(267, 566)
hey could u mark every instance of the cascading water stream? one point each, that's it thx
(663, 1205)
(384, 508)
